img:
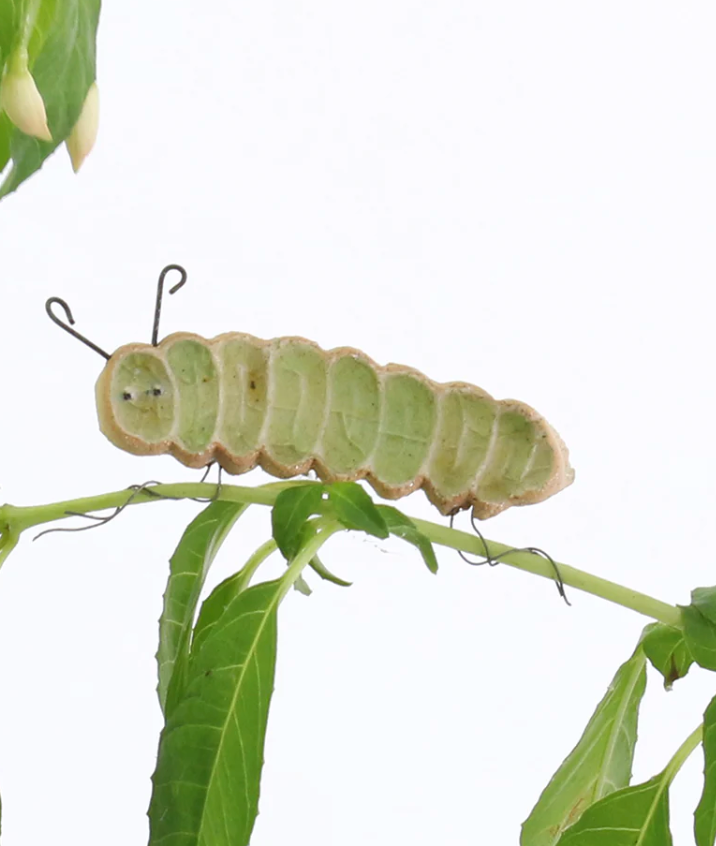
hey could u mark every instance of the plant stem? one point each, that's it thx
(306, 553)
(539, 566)
(29, 19)
(682, 753)
(246, 573)
(14, 520)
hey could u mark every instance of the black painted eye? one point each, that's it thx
(126, 395)
(157, 392)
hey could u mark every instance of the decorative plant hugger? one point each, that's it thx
(289, 406)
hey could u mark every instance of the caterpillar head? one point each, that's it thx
(136, 400)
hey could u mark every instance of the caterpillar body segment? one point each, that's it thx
(289, 406)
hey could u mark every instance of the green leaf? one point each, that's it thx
(206, 784)
(598, 765)
(320, 568)
(666, 648)
(403, 527)
(10, 16)
(218, 600)
(705, 600)
(62, 61)
(705, 814)
(354, 508)
(634, 816)
(290, 512)
(6, 130)
(700, 636)
(187, 571)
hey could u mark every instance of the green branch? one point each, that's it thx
(682, 753)
(539, 566)
(14, 520)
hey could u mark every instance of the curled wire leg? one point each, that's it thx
(494, 560)
(487, 558)
(144, 488)
(102, 521)
(557, 575)
(214, 497)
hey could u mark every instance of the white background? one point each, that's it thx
(515, 194)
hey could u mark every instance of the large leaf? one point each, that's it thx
(700, 630)
(223, 594)
(188, 568)
(6, 130)
(62, 61)
(665, 646)
(705, 815)
(705, 600)
(634, 816)
(206, 784)
(598, 765)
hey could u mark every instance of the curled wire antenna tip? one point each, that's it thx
(160, 292)
(70, 323)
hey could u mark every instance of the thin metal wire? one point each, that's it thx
(215, 496)
(160, 292)
(68, 328)
(102, 521)
(136, 489)
(494, 560)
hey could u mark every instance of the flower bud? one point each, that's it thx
(82, 138)
(20, 99)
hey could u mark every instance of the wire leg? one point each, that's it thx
(492, 561)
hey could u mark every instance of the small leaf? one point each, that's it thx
(403, 527)
(666, 648)
(319, 567)
(705, 814)
(598, 765)
(354, 508)
(206, 784)
(700, 636)
(290, 512)
(187, 570)
(634, 816)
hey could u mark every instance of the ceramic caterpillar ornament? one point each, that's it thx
(289, 406)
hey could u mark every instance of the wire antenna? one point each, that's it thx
(160, 292)
(70, 323)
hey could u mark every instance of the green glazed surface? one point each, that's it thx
(289, 405)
